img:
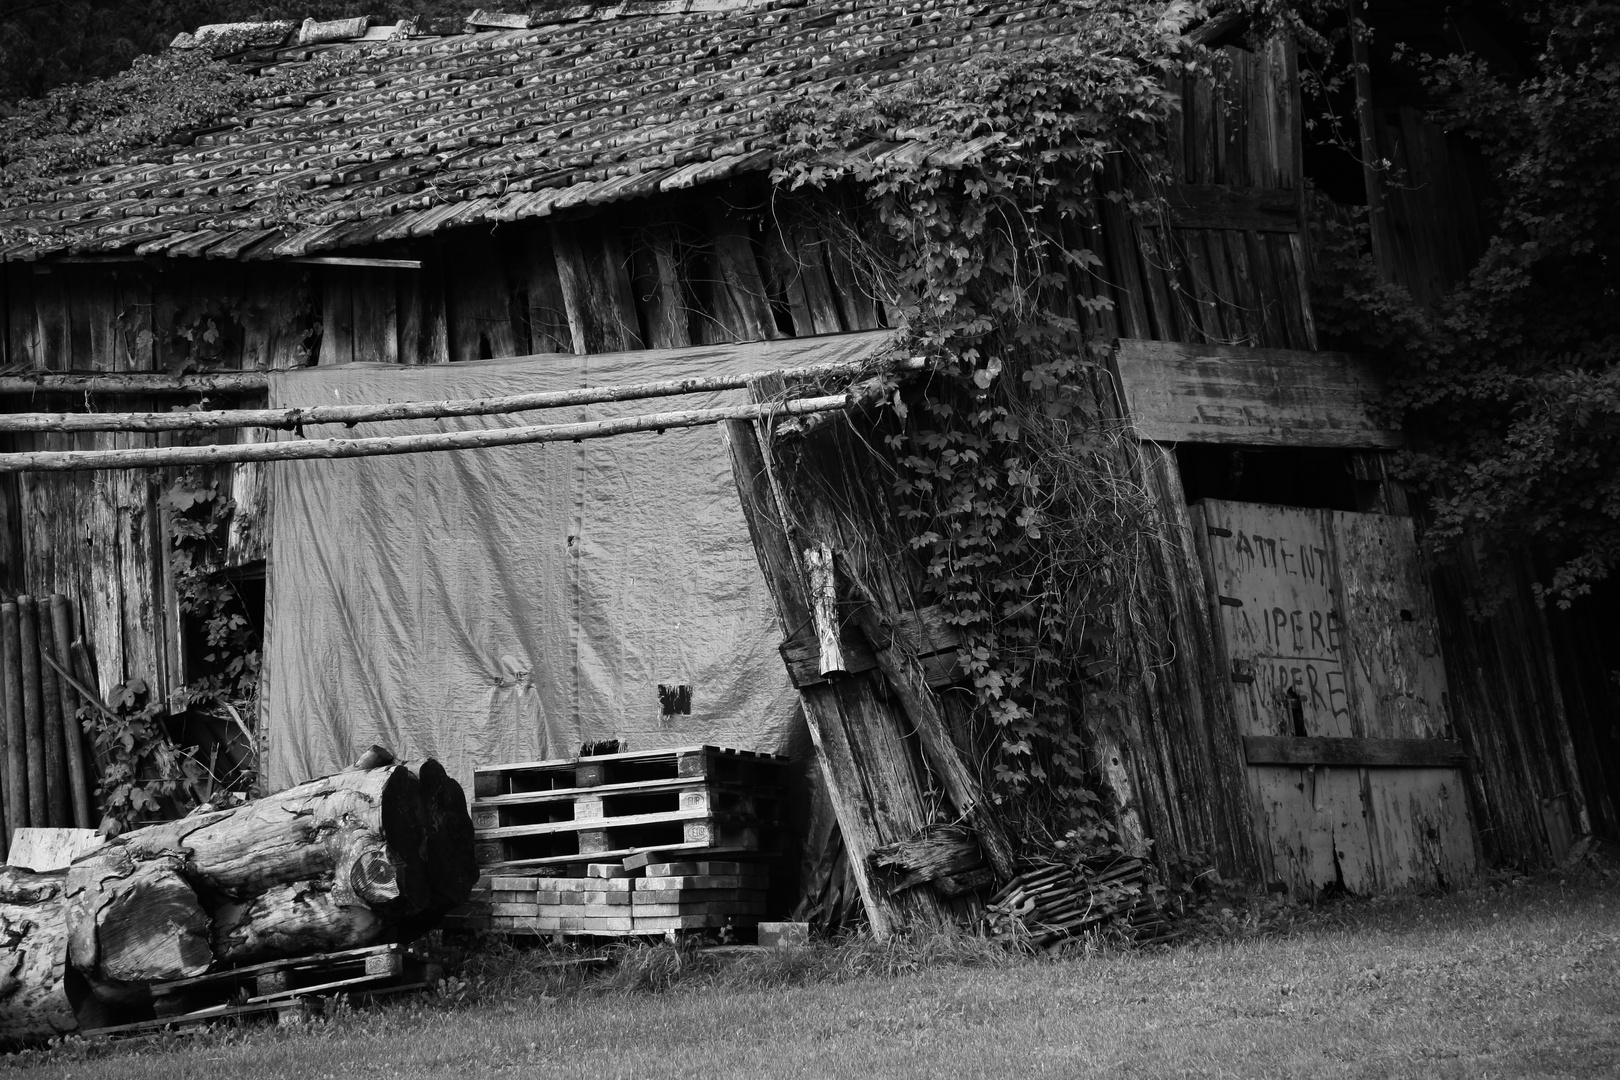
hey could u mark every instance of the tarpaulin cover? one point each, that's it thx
(499, 605)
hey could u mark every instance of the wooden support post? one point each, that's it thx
(910, 684)
(853, 785)
(1377, 215)
(16, 727)
(56, 778)
(33, 711)
(72, 731)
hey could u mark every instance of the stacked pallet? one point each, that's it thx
(593, 809)
(659, 898)
(626, 843)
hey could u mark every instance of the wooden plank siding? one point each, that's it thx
(711, 265)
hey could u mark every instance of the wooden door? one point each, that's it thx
(1331, 652)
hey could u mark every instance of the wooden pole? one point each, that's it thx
(293, 419)
(16, 728)
(85, 673)
(57, 794)
(33, 711)
(302, 449)
(103, 382)
(72, 730)
(1371, 174)
(906, 678)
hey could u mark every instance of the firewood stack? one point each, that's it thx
(1050, 904)
(364, 856)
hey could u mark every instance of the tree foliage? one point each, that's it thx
(1512, 382)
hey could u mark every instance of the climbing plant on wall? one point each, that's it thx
(1017, 492)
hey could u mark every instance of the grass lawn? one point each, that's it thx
(1501, 981)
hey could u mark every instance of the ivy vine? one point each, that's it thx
(1017, 490)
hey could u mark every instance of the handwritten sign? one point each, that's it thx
(1276, 591)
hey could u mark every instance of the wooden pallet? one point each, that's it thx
(564, 806)
(712, 763)
(610, 838)
(266, 987)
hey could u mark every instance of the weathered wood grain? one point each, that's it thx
(1376, 752)
(1254, 397)
(1222, 206)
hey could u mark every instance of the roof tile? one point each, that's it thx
(563, 107)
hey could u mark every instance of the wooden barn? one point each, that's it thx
(580, 196)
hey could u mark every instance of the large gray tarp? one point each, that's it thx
(501, 605)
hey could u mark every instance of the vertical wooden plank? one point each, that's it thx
(1273, 331)
(1389, 625)
(1206, 322)
(1290, 305)
(428, 329)
(1419, 825)
(658, 288)
(785, 281)
(1158, 273)
(740, 276)
(52, 350)
(1193, 718)
(376, 315)
(1246, 296)
(1224, 287)
(479, 302)
(1121, 265)
(597, 291)
(337, 315)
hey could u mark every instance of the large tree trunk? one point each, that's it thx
(308, 831)
(345, 861)
(134, 921)
(40, 995)
(290, 920)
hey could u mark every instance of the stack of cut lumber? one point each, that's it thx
(44, 778)
(613, 901)
(696, 800)
(1049, 904)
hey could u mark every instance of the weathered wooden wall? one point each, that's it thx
(695, 267)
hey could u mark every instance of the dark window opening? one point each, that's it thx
(1288, 476)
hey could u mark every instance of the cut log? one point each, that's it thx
(308, 831)
(291, 920)
(40, 996)
(133, 920)
(447, 846)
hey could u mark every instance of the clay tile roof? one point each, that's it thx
(521, 116)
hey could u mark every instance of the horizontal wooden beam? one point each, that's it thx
(929, 634)
(1218, 206)
(134, 382)
(1177, 392)
(292, 419)
(1371, 753)
(349, 260)
(302, 449)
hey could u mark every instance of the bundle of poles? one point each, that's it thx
(45, 781)
(805, 411)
